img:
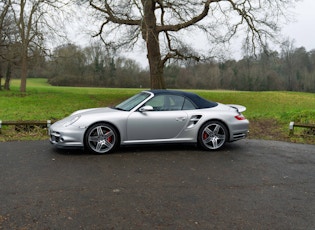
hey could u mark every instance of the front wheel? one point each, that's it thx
(212, 135)
(101, 138)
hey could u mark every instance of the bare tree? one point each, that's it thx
(7, 40)
(165, 25)
(287, 54)
(4, 6)
(32, 18)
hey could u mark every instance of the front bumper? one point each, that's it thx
(70, 137)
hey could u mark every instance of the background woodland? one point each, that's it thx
(292, 69)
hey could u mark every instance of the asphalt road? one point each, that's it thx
(250, 184)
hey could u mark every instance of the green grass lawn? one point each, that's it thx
(268, 112)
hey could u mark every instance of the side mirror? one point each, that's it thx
(146, 108)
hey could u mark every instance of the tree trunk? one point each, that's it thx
(151, 36)
(23, 73)
(0, 78)
(8, 77)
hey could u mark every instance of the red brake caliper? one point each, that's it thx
(109, 139)
(205, 135)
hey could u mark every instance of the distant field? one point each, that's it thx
(269, 112)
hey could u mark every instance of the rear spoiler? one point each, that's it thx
(239, 108)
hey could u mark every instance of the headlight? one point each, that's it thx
(71, 121)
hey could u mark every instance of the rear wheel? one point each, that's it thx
(212, 135)
(101, 138)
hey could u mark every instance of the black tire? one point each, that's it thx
(212, 135)
(101, 138)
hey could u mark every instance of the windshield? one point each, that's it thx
(132, 102)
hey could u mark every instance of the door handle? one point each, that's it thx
(180, 118)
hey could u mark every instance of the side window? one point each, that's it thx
(188, 105)
(157, 103)
(166, 103)
(175, 102)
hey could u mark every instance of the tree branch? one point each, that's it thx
(110, 15)
(175, 53)
(191, 22)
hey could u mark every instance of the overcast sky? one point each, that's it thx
(303, 29)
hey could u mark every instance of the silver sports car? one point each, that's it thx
(152, 116)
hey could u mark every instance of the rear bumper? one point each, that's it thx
(239, 136)
(239, 130)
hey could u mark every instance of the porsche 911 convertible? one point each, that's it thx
(152, 117)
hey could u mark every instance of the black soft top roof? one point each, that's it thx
(200, 102)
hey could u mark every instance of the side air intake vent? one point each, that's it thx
(193, 121)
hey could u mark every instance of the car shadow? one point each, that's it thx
(149, 148)
(69, 151)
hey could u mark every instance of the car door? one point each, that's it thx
(165, 121)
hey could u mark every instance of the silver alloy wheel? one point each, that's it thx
(212, 135)
(101, 138)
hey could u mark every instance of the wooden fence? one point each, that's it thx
(26, 123)
(311, 127)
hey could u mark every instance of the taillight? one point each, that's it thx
(240, 117)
